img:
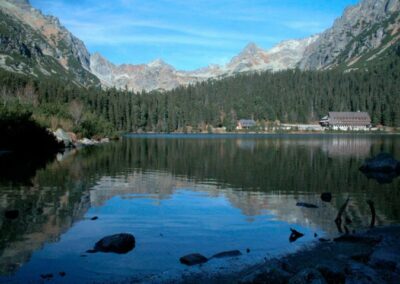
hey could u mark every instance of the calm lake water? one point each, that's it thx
(179, 194)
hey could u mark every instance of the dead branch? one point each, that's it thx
(338, 219)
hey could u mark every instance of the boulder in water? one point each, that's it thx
(326, 196)
(193, 259)
(118, 243)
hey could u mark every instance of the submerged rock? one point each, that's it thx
(118, 243)
(46, 276)
(326, 196)
(383, 162)
(307, 205)
(230, 253)
(358, 239)
(193, 259)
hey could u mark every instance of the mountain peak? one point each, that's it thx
(157, 63)
(251, 48)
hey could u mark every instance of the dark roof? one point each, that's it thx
(353, 118)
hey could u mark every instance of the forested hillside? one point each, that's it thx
(289, 96)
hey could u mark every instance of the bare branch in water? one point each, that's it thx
(338, 219)
(372, 207)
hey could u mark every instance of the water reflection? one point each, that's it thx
(187, 189)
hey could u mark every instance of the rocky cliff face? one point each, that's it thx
(366, 29)
(34, 44)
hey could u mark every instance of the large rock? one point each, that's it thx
(193, 259)
(308, 276)
(87, 142)
(63, 136)
(384, 162)
(118, 243)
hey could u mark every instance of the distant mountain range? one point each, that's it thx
(38, 45)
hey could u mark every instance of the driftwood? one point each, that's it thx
(372, 207)
(338, 219)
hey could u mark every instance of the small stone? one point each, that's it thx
(46, 276)
(230, 253)
(322, 240)
(62, 273)
(193, 259)
(247, 250)
(306, 205)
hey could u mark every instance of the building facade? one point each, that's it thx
(245, 124)
(347, 121)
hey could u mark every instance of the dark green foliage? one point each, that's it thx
(20, 132)
(288, 96)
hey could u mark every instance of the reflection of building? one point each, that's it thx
(246, 144)
(347, 120)
(245, 124)
(351, 147)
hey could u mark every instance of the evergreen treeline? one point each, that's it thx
(288, 96)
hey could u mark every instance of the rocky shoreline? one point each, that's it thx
(70, 139)
(372, 256)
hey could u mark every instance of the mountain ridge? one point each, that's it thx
(35, 44)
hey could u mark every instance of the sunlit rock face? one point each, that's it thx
(47, 47)
(158, 75)
(367, 28)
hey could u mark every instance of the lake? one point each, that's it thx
(180, 194)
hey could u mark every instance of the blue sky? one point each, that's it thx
(189, 34)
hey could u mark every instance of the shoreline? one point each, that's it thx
(372, 256)
(205, 134)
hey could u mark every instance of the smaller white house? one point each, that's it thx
(245, 124)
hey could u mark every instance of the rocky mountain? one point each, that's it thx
(38, 45)
(363, 33)
(160, 75)
(156, 75)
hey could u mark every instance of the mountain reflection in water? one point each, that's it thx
(186, 190)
